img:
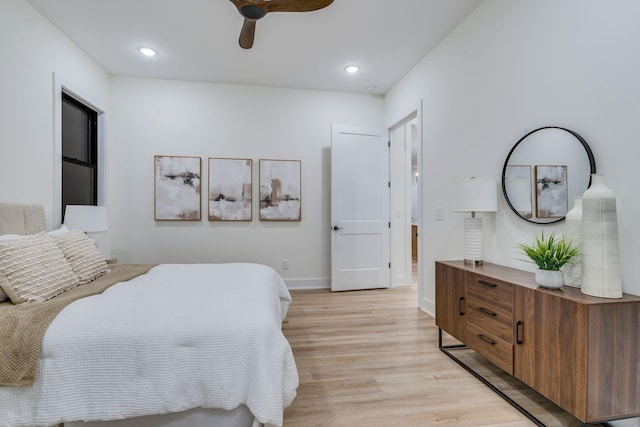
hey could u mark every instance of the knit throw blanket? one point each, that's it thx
(22, 326)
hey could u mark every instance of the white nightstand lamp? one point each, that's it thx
(474, 195)
(92, 220)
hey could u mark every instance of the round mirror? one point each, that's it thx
(545, 171)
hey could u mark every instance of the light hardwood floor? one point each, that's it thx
(371, 358)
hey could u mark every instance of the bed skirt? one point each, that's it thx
(198, 417)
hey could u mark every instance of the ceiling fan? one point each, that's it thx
(252, 10)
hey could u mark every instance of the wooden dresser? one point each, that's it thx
(581, 352)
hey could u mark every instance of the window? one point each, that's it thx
(79, 153)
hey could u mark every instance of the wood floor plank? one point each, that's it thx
(371, 358)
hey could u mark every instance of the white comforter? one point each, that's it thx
(181, 336)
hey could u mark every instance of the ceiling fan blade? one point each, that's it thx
(247, 34)
(252, 10)
(294, 5)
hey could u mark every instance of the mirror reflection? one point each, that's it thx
(544, 172)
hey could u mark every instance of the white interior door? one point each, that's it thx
(359, 208)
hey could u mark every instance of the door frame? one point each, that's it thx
(417, 114)
(400, 141)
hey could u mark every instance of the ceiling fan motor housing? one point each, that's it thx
(252, 12)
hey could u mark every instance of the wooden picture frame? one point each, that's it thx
(230, 189)
(177, 188)
(280, 190)
(517, 181)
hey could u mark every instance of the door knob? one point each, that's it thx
(336, 228)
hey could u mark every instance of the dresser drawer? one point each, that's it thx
(495, 292)
(493, 348)
(492, 318)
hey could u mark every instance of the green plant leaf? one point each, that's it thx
(550, 253)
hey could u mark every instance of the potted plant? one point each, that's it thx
(549, 254)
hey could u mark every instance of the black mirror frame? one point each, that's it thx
(592, 165)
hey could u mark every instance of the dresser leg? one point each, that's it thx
(446, 349)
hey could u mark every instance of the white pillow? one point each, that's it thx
(34, 268)
(3, 296)
(63, 229)
(84, 257)
(11, 236)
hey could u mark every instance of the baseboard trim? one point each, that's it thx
(319, 283)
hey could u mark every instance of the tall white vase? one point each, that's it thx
(600, 250)
(572, 270)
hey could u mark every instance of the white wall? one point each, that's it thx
(149, 117)
(32, 49)
(161, 117)
(511, 65)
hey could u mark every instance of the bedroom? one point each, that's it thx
(508, 66)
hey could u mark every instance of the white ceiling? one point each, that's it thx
(198, 40)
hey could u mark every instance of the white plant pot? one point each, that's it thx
(551, 279)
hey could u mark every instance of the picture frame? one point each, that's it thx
(280, 190)
(177, 188)
(551, 191)
(517, 181)
(230, 189)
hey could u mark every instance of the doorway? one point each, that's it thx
(415, 201)
(405, 207)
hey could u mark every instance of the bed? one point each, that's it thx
(165, 345)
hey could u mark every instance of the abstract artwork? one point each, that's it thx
(280, 190)
(230, 189)
(551, 191)
(517, 181)
(177, 188)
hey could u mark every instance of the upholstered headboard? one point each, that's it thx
(21, 218)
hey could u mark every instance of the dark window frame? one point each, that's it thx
(90, 138)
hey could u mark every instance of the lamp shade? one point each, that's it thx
(475, 195)
(86, 218)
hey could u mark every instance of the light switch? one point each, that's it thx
(439, 214)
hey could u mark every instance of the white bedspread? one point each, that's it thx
(181, 336)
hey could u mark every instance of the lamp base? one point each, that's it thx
(473, 241)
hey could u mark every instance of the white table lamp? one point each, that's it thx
(86, 218)
(474, 195)
(93, 221)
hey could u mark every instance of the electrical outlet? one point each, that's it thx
(285, 264)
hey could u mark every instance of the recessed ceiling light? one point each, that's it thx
(371, 89)
(351, 69)
(147, 51)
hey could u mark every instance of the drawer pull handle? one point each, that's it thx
(461, 306)
(518, 327)
(487, 284)
(487, 312)
(485, 339)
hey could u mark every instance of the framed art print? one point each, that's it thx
(230, 189)
(551, 191)
(177, 188)
(280, 190)
(517, 181)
